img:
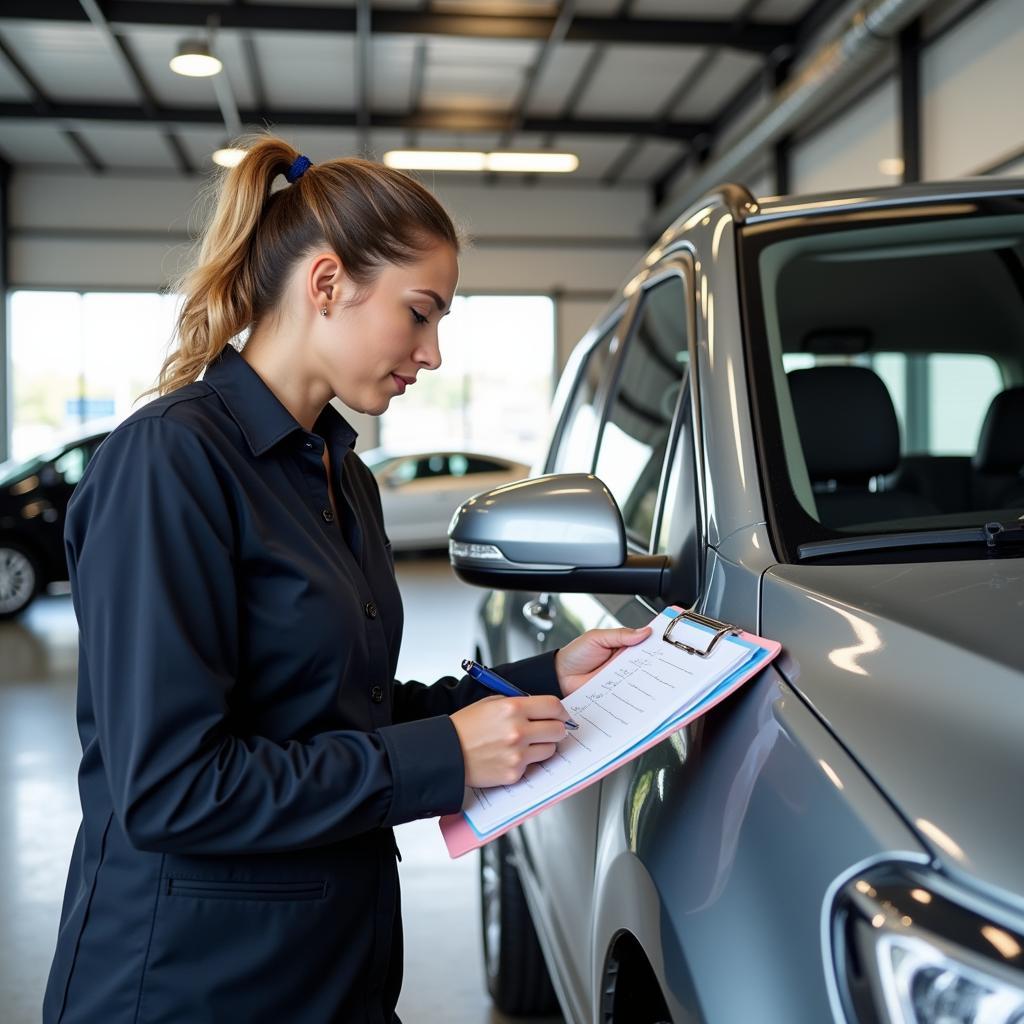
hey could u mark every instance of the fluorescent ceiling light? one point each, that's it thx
(195, 60)
(435, 160)
(228, 157)
(891, 165)
(464, 160)
(543, 163)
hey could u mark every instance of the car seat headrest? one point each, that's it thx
(847, 423)
(1001, 442)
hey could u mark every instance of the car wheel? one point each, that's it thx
(19, 579)
(517, 976)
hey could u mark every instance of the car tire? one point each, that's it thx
(19, 578)
(517, 977)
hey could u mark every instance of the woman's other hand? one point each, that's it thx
(578, 661)
(501, 736)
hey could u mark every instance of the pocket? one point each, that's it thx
(269, 892)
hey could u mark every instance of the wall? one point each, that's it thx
(849, 151)
(972, 73)
(89, 231)
(972, 80)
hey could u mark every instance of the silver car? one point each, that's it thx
(805, 418)
(419, 490)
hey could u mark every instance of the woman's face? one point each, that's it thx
(372, 349)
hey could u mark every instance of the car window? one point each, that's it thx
(400, 471)
(432, 466)
(887, 361)
(575, 452)
(635, 437)
(477, 465)
(71, 465)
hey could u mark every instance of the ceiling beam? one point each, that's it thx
(43, 108)
(759, 38)
(416, 79)
(423, 120)
(122, 55)
(521, 104)
(363, 70)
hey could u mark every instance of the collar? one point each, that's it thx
(262, 419)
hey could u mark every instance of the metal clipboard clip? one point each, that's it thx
(721, 628)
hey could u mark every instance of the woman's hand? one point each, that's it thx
(578, 661)
(501, 736)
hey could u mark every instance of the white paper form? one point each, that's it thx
(625, 702)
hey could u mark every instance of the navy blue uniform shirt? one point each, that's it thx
(245, 747)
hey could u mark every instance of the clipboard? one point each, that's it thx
(460, 837)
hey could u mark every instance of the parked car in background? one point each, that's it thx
(803, 417)
(419, 491)
(34, 496)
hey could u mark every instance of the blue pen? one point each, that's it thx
(490, 679)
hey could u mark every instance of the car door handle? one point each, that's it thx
(538, 614)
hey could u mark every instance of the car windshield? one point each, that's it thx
(887, 363)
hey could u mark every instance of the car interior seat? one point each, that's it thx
(999, 459)
(850, 436)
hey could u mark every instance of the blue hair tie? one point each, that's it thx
(297, 169)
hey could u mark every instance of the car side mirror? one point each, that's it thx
(559, 533)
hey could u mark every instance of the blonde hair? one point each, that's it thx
(369, 214)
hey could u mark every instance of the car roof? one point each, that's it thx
(379, 454)
(816, 204)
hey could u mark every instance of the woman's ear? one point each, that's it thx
(326, 280)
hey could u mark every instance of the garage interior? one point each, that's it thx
(106, 156)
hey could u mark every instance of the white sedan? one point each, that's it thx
(419, 492)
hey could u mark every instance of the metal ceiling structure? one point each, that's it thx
(638, 88)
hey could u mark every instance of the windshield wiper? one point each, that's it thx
(992, 535)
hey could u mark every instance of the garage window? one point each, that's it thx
(81, 357)
(492, 392)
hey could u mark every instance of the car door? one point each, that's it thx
(646, 394)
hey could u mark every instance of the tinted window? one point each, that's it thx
(635, 437)
(575, 452)
(484, 466)
(431, 466)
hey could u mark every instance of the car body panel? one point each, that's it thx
(717, 851)
(910, 663)
(417, 510)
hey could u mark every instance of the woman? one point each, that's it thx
(246, 750)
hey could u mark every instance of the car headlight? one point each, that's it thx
(905, 952)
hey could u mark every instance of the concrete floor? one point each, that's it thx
(39, 812)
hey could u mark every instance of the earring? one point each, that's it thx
(323, 311)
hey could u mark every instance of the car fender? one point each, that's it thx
(724, 838)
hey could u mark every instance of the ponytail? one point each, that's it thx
(369, 214)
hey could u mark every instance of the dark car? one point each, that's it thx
(34, 497)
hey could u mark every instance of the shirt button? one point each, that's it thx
(377, 695)
(328, 515)
(371, 610)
